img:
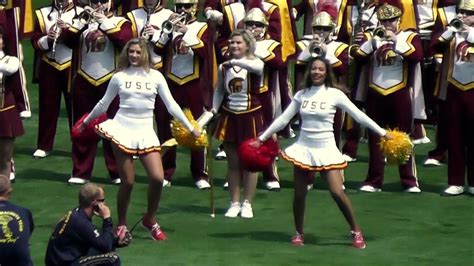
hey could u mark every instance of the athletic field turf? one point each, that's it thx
(400, 228)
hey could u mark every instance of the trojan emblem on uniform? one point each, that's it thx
(10, 223)
(465, 52)
(236, 85)
(95, 41)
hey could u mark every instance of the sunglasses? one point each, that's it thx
(185, 6)
(100, 200)
(99, 1)
(322, 28)
(254, 23)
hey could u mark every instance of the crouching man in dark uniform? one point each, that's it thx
(76, 241)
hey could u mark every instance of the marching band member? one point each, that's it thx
(12, 20)
(95, 42)
(10, 120)
(322, 43)
(269, 51)
(237, 99)
(446, 12)
(309, 8)
(184, 51)
(123, 7)
(53, 69)
(458, 39)
(364, 19)
(392, 56)
(147, 22)
(24, 28)
(234, 14)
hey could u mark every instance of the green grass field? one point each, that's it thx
(400, 228)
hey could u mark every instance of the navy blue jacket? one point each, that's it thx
(75, 235)
(16, 226)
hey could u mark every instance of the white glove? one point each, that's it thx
(214, 15)
(25, 114)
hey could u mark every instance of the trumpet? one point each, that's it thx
(380, 32)
(169, 25)
(87, 16)
(315, 47)
(61, 6)
(457, 24)
(316, 50)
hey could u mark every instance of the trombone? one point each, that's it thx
(169, 25)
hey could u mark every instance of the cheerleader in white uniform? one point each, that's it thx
(315, 149)
(131, 130)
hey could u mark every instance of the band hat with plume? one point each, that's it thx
(256, 15)
(326, 14)
(467, 5)
(389, 9)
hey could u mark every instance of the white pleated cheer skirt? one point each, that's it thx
(132, 135)
(315, 154)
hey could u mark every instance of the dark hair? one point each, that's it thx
(329, 81)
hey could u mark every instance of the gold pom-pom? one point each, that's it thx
(185, 137)
(398, 148)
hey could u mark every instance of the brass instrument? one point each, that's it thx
(315, 48)
(61, 6)
(87, 16)
(380, 32)
(169, 25)
(457, 24)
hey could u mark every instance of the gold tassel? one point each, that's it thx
(185, 137)
(398, 149)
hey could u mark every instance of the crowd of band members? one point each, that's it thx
(394, 81)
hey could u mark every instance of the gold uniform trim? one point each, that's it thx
(459, 85)
(104, 134)
(7, 108)
(409, 42)
(192, 76)
(228, 12)
(41, 23)
(134, 24)
(117, 28)
(394, 88)
(313, 168)
(241, 112)
(54, 64)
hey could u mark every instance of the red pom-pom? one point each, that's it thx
(88, 134)
(257, 159)
(328, 6)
